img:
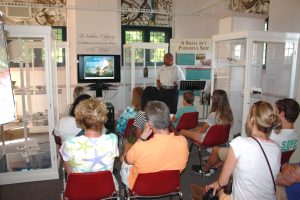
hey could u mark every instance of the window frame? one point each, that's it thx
(146, 38)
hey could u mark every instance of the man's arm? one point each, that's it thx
(158, 83)
(290, 174)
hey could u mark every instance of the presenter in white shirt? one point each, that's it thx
(168, 80)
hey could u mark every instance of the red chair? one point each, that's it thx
(90, 186)
(285, 156)
(156, 184)
(216, 135)
(128, 127)
(188, 121)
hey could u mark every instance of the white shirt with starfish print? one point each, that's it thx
(90, 154)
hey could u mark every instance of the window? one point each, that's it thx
(237, 51)
(61, 36)
(289, 49)
(147, 34)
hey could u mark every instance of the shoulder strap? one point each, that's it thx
(267, 162)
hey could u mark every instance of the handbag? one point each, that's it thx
(267, 163)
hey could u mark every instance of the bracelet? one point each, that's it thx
(220, 186)
(142, 139)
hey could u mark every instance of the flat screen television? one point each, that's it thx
(98, 68)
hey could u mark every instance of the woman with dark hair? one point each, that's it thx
(66, 126)
(149, 94)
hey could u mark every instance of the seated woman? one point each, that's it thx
(92, 151)
(252, 178)
(220, 113)
(130, 111)
(66, 126)
(149, 94)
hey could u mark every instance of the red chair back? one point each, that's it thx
(216, 135)
(285, 156)
(90, 186)
(188, 121)
(128, 127)
(157, 184)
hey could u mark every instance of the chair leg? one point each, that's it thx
(200, 160)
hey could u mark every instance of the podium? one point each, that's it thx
(192, 85)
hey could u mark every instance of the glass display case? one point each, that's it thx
(140, 62)
(28, 152)
(252, 66)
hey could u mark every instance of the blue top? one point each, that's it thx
(293, 191)
(128, 113)
(181, 111)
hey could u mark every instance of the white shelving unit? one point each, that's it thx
(29, 153)
(253, 66)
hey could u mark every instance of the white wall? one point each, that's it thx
(203, 24)
(284, 16)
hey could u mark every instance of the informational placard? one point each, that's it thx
(200, 49)
(7, 106)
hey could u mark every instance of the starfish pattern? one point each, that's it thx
(84, 145)
(98, 160)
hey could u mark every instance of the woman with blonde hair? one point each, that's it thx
(130, 111)
(220, 113)
(253, 161)
(92, 151)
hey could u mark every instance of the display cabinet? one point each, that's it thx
(252, 66)
(29, 151)
(140, 62)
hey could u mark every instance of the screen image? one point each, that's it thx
(97, 67)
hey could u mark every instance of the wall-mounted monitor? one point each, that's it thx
(98, 68)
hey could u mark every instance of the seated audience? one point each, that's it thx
(66, 126)
(245, 159)
(188, 100)
(287, 138)
(130, 111)
(290, 179)
(288, 112)
(92, 151)
(164, 151)
(150, 93)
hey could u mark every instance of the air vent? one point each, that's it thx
(18, 12)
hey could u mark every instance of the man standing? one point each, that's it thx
(164, 151)
(168, 79)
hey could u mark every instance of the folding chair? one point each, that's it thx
(90, 186)
(156, 185)
(216, 135)
(285, 156)
(187, 121)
